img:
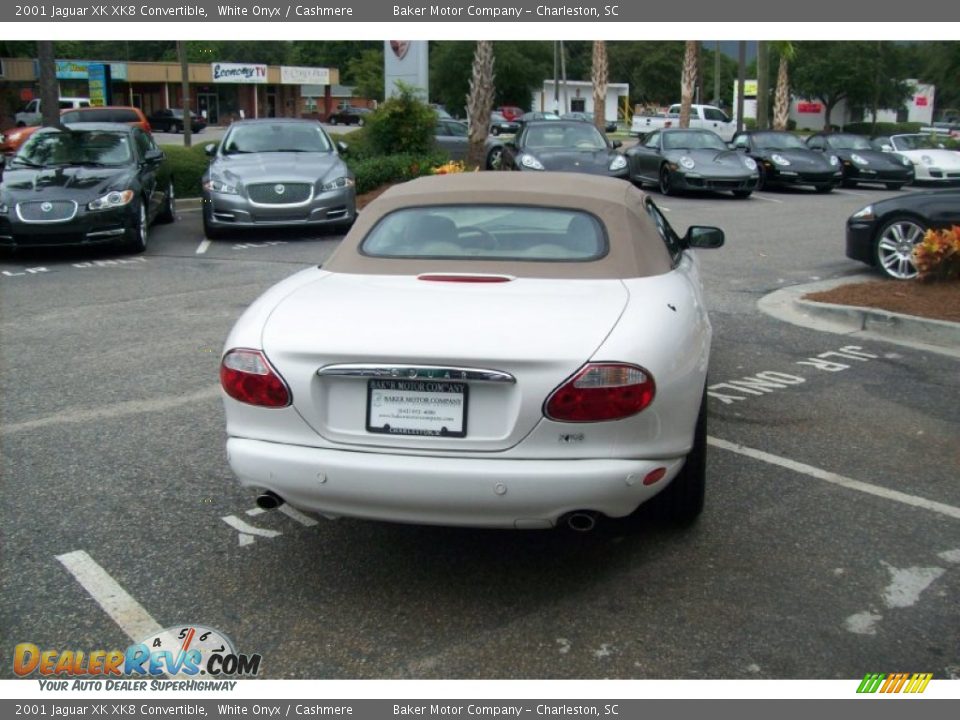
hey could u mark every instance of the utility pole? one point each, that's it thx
(741, 82)
(185, 91)
(716, 74)
(49, 88)
(763, 85)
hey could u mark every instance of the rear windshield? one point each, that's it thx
(500, 232)
(97, 115)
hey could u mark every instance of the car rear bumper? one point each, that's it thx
(478, 492)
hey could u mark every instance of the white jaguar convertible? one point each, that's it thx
(483, 349)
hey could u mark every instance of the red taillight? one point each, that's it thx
(247, 376)
(602, 391)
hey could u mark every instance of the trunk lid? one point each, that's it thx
(537, 331)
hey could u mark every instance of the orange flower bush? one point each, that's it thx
(447, 168)
(937, 256)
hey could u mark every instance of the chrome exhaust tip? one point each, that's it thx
(269, 500)
(581, 521)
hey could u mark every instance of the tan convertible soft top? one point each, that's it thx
(636, 249)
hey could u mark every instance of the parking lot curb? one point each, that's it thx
(788, 304)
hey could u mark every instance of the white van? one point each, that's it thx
(31, 114)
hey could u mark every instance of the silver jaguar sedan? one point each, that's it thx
(276, 173)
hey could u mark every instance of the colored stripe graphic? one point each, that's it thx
(894, 683)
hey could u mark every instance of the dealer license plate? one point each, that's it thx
(417, 407)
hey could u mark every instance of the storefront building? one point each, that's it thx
(220, 91)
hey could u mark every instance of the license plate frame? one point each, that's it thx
(419, 408)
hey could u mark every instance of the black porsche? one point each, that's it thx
(862, 163)
(85, 184)
(783, 159)
(564, 145)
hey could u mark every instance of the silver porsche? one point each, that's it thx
(276, 173)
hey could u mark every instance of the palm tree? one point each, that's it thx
(480, 102)
(688, 80)
(781, 101)
(599, 77)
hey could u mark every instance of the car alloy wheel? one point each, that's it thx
(137, 235)
(894, 248)
(666, 181)
(169, 211)
(495, 159)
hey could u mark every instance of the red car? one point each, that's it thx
(510, 112)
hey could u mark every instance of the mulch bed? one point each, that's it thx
(937, 300)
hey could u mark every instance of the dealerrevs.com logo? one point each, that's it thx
(172, 659)
(889, 683)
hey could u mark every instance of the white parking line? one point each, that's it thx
(115, 601)
(850, 192)
(849, 483)
(768, 199)
(295, 514)
(203, 247)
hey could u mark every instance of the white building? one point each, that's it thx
(810, 114)
(577, 96)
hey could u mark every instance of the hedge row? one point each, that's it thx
(189, 164)
(882, 128)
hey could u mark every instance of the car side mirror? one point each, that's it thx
(210, 149)
(342, 147)
(617, 143)
(704, 237)
(153, 156)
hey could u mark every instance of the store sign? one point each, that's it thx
(99, 84)
(239, 73)
(80, 70)
(809, 107)
(922, 101)
(304, 75)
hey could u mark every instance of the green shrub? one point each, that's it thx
(373, 172)
(187, 165)
(371, 169)
(402, 124)
(882, 128)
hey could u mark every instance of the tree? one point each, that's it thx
(599, 78)
(688, 80)
(480, 102)
(366, 74)
(857, 71)
(649, 67)
(49, 87)
(781, 102)
(763, 85)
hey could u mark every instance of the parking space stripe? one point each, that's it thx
(295, 514)
(203, 247)
(768, 199)
(827, 476)
(115, 601)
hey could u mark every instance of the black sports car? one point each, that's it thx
(883, 233)
(83, 185)
(170, 120)
(609, 126)
(783, 159)
(499, 125)
(564, 145)
(349, 116)
(675, 159)
(861, 162)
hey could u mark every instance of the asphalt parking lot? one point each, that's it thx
(829, 548)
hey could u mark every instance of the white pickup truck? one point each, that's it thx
(701, 116)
